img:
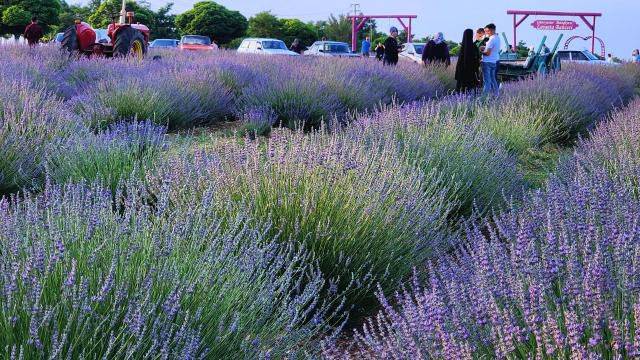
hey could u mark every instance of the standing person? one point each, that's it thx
(429, 52)
(481, 38)
(379, 52)
(296, 46)
(391, 48)
(441, 50)
(33, 33)
(636, 56)
(490, 57)
(610, 59)
(366, 47)
(468, 66)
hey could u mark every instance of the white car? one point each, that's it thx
(265, 46)
(413, 52)
(581, 56)
(331, 49)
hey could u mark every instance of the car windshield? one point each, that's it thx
(165, 43)
(196, 40)
(590, 55)
(336, 48)
(419, 49)
(274, 45)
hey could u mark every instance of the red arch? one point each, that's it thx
(603, 50)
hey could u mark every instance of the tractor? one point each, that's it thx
(125, 38)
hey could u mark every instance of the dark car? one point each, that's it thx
(164, 43)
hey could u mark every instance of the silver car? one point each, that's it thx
(413, 52)
(330, 49)
(581, 56)
(265, 46)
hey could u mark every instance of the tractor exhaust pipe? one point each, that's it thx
(123, 13)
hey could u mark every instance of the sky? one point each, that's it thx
(619, 26)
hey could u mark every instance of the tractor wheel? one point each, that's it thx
(129, 42)
(70, 40)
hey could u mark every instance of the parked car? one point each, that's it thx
(164, 43)
(265, 46)
(413, 52)
(197, 43)
(581, 56)
(330, 48)
(58, 38)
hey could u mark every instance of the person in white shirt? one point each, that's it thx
(490, 57)
(610, 59)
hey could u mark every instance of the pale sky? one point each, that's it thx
(619, 26)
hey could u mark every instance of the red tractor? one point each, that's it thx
(125, 38)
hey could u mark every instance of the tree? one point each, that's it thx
(265, 25)
(103, 15)
(47, 11)
(522, 49)
(69, 13)
(338, 28)
(14, 19)
(163, 25)
(296, 29)
(213, 20)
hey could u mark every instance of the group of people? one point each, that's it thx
(478, 60)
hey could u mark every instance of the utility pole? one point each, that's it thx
(354, 36)
(355, 7)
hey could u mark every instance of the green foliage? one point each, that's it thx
(213, 20)
(103, 15)
(338, 28)
(69, 13)
(15, 16)
(265, 25)
(163, 25)
(235, 43)
(522, 49)
(295, 29)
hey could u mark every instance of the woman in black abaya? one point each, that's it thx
(468, 66)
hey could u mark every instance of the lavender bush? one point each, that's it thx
(82, 281)
(31, 120)
(613, 147)
(475, 169)
(123, 150)
(365, 215)
(572, 101)
(553, 278)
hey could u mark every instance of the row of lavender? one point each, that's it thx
(183, 91)
(254, 248)
(554, 277)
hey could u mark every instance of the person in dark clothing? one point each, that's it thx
(436, 51)
(429, 52)
(468, 66)
(379, 52)
(391, 48)
(33, 33)
(297, 47)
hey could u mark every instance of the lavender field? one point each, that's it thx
(252, 207)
